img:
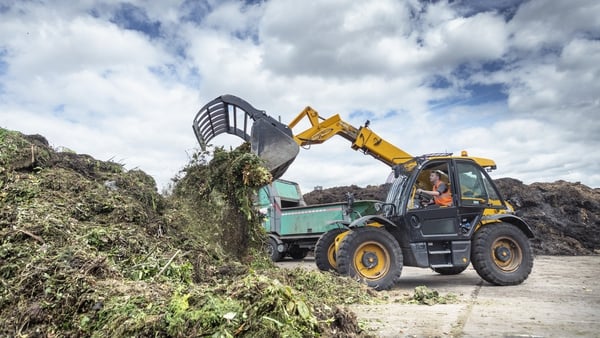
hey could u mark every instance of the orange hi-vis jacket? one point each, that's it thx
(445, 198)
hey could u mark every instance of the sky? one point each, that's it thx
(514, 81)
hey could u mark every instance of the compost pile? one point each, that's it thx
(564, 216)
(91, 249)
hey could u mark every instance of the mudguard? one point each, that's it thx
(364, 220)
(512, 219)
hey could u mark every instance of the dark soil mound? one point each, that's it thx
(564, 216)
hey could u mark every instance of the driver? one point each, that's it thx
(440, 192)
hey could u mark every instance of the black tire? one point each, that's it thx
(501, 254)
(372, 255)
(298, 253)
(271, 249)
(455, 270)
(325, 250)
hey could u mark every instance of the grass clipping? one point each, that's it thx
(91, 249)
(426, 296)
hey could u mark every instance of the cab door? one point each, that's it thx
(475, 194)
(432, 222)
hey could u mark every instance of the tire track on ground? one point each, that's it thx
(461, 321)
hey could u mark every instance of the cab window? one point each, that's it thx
(473, 190)
(423, 182)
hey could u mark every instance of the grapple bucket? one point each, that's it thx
(270, 139)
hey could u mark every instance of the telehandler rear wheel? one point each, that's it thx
(372, 255)
(501, 254)
(325, 250)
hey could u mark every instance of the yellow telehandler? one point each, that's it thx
(477, 227)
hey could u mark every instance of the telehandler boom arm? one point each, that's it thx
(363, 138)
(278, 145)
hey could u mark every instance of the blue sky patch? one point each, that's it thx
(483, 93)
(107, 73)
(193, 78)
(494, 66)
(507, 8)
(362, 115)
(253, 2)
(473, 95)
(247, 35)
(4, 8)
(59, 110)
(439, 82)
(165, 71)
(3, 64)
(135, 18)
(195, 11)
(464, 70)
(391, 113)
(3, 68)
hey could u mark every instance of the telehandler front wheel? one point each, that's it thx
(372, 255)
(501, 254)
(325, 250)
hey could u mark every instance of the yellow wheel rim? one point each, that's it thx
(507, 254)
(371, 260)
(331, 256)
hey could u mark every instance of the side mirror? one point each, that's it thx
(396, 170)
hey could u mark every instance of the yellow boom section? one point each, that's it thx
(362, 138)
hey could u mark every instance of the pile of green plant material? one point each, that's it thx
(88, 248)
(426, 296)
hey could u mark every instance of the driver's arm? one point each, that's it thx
(441, 188)
(429, 192)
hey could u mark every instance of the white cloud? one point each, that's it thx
(472, 39)
(549, 24)
(83, 43)
(234, 17)
(76, 75)
(336, 39)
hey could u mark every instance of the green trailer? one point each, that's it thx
(295, 227)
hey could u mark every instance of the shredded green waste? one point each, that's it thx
(425, 296)
(89, 249)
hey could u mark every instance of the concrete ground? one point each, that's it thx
(561, 298)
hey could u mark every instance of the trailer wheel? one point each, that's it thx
(271, 249)
(455, 270)
(297, 252)
(325, 250)
(502, 254)
(372, 255)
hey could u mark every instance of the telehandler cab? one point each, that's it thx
(479, 227)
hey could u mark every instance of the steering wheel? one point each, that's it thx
(424, 199)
